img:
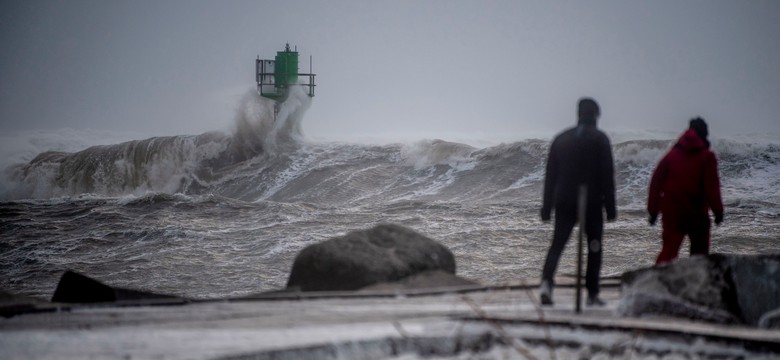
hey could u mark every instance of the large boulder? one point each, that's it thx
(720, 288)
(385, 253)
(757, 284)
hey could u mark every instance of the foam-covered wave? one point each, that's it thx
(173, 164)
(263, 160)
(750, 174)
(435, 170)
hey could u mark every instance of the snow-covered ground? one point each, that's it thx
(498, 322)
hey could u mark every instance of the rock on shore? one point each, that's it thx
(721, 288)
(383, 254)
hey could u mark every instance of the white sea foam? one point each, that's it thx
(426, 153)
(534, 177)
(298, 166)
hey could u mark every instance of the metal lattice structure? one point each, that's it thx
(275, 77)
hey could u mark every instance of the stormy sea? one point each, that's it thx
(223, 214)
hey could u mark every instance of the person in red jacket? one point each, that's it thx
(684, 187)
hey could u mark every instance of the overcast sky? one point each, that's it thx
(412, 69)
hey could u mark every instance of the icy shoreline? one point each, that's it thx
(487, 322)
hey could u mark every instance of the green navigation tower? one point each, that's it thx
(276, 77)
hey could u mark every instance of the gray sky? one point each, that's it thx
(411, 69)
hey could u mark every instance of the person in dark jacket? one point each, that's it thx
(684, 187)
(579, 156)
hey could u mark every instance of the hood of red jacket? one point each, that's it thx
(691, 142)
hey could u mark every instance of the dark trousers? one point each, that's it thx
(565, 219)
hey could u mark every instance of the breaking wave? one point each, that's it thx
(265, 159)
(173, 164)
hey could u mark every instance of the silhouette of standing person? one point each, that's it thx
(684, 187)
(581, 155)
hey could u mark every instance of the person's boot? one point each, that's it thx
(593, 300)
(545, 293)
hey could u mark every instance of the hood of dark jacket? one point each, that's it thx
(587, 120)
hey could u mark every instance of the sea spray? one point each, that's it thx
(261, 125)
(171, 164)
(254, 119)
(287, 134)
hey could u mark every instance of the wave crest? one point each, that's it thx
(162, 164)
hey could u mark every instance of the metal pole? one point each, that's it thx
(582, 198)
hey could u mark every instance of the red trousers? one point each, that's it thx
(674, 230)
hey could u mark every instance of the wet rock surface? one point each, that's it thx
(385, 253)
(77, 288)
(721, 288)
